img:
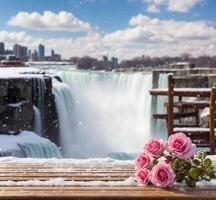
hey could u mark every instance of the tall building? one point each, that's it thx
(24, 52)
(55, 56)
(2, 48)
(41, 51)
(34, 56)
(52, 53)
(105, 58)
(29, 53)
(21, 52)
(16, 50)
(114, 60)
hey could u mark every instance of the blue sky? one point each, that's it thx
(101, 22)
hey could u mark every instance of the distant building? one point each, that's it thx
(2, 48)
(8, 52)
(35, 53)
(105, 58)
(21, 52)
(41, 51)
(24, 52)
(34, 56)
(55, 57)
(16, 50)
(29, 53)
(181, 65)
(52, 53)
(114, 61)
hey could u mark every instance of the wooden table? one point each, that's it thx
(77, 181)
(183, 92)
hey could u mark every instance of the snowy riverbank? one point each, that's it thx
(27, 144)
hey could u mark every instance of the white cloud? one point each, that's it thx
(144, 35)
(153, 9)
(11, 38)
(181, 6)
(49, 21)
(165, 37)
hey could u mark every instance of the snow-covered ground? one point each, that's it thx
(27, 144)
(18, 72)
(47, 63)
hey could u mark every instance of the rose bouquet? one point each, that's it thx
(163, 163)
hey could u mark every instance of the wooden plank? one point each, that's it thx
(107, 193)
(211, 120)
(170, 114)
(62, 174)
(179, 115)
(107, 188)
(186, 105)
(85, 173)
(51, 165)
(63, 170)
(66, 167)
(8, 178)
(183, 92)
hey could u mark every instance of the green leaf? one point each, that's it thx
(195, 173)
(179, 178)
(177, 164)
(211, 174)
(187, 165)
(196, 162)
(201, 155)
(207, 163)
(190, 182)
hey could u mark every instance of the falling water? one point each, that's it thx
(37, 121)
(39, 89)
(107, 111)
(160, 125)
(28, 144)
(64, 103)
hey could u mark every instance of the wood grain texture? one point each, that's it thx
(85, 172)
(183, 92)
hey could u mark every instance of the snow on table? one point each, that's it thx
(89, 179)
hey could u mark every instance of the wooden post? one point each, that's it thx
(170, 115)
(197, 117)
(211, 120)
(180, 109)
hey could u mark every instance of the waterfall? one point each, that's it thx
(37, 121)
(104, 112)
(39, 90)
(160, 125)
(64, 104)
(28, 144)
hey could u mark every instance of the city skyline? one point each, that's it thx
(124, 28)
(25, 54)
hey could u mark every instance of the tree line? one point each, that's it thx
(88, 62)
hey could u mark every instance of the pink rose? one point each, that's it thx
(181, 146)
(154, 147)
(162, 175)
(142, 176)
(143, 161)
